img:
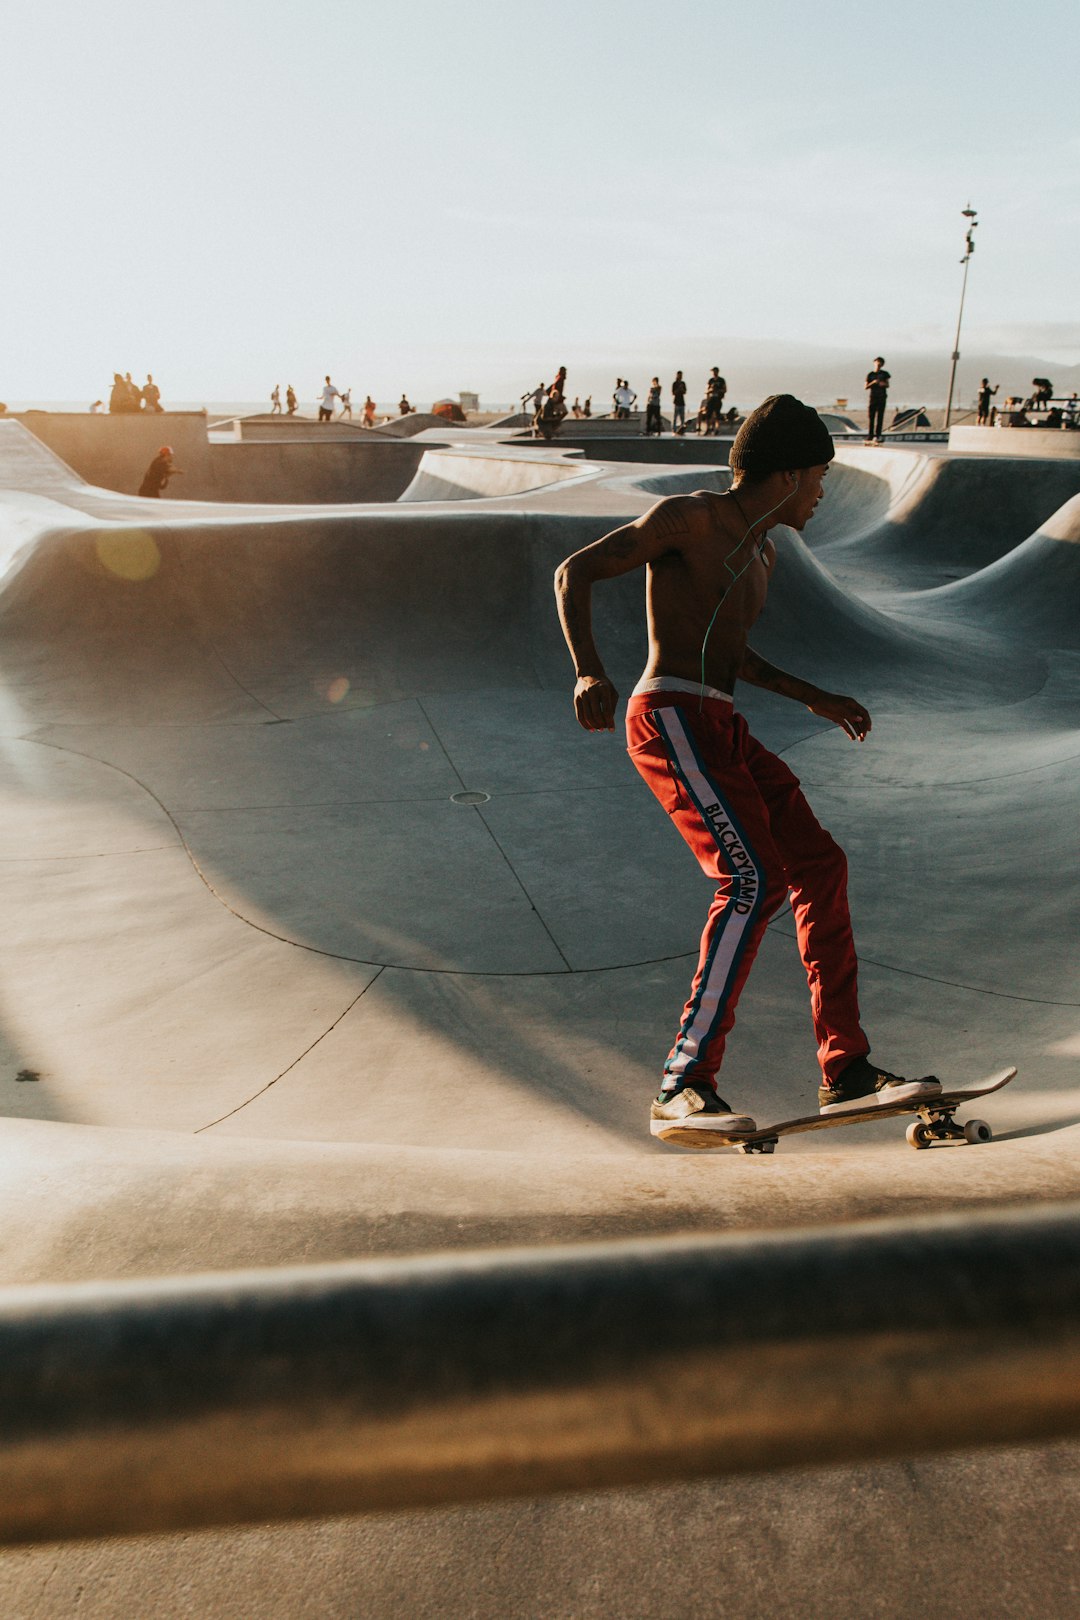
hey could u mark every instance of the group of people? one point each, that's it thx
(126, 397)
(1014, 412)
(327, 398)
(547, 405)
(710, 419)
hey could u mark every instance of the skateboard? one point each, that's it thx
(933, 1120)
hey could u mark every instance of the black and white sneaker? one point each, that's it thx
(864, 1085)
(695, 1117)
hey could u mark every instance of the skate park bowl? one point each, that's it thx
(332, 938)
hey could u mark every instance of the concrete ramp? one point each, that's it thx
(896, 518)
(1031, 595)
(329, 933)
(450, 475)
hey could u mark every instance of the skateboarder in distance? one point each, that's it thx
(877, 391)
(708, 562)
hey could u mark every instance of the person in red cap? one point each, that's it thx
(708, 561)
(160, 470)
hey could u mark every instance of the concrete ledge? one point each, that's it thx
(374, 1386)
(1049, 444)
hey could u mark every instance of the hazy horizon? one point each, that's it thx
(751, 368)
(443, 199)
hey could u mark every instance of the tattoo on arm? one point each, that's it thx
(668, 520)
(620, 543)
(757, 671)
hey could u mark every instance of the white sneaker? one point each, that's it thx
(696, 1117)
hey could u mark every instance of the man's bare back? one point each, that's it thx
(708, 561)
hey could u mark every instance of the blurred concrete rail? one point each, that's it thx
(250, 1396)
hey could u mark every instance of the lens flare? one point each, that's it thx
(128, 553)
(337, 689)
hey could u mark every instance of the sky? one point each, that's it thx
(434, 196)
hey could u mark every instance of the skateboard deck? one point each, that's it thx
(933, 1121)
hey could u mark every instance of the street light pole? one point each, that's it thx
(969, 248)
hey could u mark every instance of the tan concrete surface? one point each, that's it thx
(275, 995)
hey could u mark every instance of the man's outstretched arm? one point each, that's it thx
(845, 712)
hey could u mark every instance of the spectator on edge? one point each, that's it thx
(877, 388)
(678, 412)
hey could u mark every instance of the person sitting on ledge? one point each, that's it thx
(160, 470)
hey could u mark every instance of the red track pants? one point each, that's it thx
(743, 814)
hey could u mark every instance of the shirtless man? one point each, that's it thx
(708, 562)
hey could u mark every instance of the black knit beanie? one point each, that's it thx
(782, 432)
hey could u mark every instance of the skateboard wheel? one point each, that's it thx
(977, 1130)
(918, 1134)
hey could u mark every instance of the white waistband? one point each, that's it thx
(671, 683)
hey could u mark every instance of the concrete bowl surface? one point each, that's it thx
(330, 934)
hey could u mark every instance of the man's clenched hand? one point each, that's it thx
(594, 703)
(844, 712)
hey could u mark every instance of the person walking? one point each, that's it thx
(678, 405)
(160, 470)
(290, 399)
(709, 561)
(346, 404)
(653, 420)
(326, 406)
(368, 417)
(877, 389)
(275, 400)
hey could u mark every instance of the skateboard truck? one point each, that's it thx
(938, 1125)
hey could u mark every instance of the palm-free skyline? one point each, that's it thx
(416, 196)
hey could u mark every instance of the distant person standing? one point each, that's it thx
(625, 400)
(346, 404)
(151, 395)
(715, 390)
(559, 385)
(405, 409)
(134, 392)
(160, 470)
(575, 409)
(586, 409)
(369, 412)
(653, 420)
(326, 407)
(290, 399)
(119, 398)
(877, 389)
(678, 397)
(275, 400)
(986, 393)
